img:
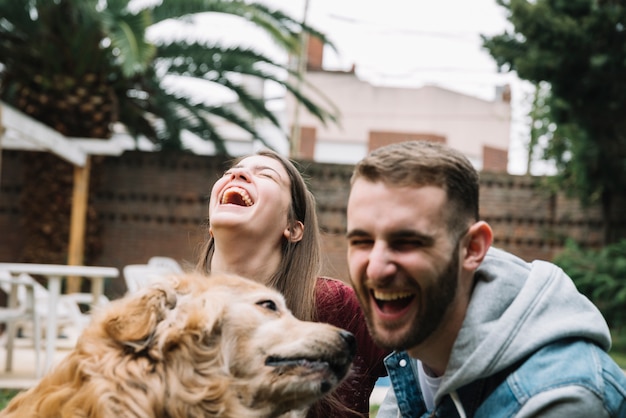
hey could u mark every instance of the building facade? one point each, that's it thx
(371, 116)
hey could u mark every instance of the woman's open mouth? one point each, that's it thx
(236, 196)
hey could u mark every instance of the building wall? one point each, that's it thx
(466, 123)
(156, 204)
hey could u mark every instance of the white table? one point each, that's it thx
(55, 273)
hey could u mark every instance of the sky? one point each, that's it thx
(404, 43)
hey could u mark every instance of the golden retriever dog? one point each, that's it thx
(193, 346)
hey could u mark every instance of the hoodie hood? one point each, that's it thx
(517, 308)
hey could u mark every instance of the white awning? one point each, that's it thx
(23, 132)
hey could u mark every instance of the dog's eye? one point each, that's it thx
(268, 304)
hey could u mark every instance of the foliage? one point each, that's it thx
(6, 395)
(577, 48)
(82, 65)
(599, 274)
(618, 349)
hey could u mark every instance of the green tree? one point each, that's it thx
(84, 66)
(577, 48)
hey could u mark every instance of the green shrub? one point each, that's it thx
(600, 275)
(6, 395)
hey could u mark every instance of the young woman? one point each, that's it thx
(263, 225)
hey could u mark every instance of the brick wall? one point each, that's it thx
(156, 204)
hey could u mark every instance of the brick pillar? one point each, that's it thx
(379, 139)
(495, 159)
(315, 54)
(308, 138)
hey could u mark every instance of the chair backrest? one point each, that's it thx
(19, 311)
(40, 293)
(20, 299)
(138, 276)
(165, 262)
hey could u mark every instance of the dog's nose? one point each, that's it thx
(350, 341)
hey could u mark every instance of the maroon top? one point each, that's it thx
(337, 305)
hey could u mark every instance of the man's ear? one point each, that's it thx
(476, 243)
(295, 232)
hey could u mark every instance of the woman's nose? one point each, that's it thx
(239, 173)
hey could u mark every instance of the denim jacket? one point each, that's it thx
(578, 371)
(530, 346)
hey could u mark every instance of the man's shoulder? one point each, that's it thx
(570, 369)
(567, 360)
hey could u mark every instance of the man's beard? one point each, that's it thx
(436, 303)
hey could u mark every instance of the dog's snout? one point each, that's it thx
(350, 341)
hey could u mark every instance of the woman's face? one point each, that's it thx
(252, 199)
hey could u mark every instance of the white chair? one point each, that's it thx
(20, 312)
(138, 276)
(165, 262)
(73, 309)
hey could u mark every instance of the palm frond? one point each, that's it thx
(127, 32)
(71, 60)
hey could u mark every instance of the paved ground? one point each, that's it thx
(23, 374)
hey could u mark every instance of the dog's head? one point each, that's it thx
(218, 345)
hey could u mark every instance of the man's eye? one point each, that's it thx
(409, 244)
(268, 304)
(360, 242)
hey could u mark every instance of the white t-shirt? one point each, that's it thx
(429, 385)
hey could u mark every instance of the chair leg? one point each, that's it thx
(37, 344)
(10, 330)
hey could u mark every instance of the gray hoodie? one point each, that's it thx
(516, 309)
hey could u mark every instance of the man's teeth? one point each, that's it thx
(228, 195)
(386, 296)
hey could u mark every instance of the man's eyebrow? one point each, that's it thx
(395, 235)
(356, 233)
(411, 234)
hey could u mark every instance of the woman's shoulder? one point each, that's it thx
(330, 286)
(334, 296)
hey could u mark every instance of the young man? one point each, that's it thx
(477, 331)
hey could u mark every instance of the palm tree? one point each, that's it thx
(85, 66)
(79, 66)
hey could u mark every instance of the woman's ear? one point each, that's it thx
(477, 242)
(294, 232)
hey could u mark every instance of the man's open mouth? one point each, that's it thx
(236, 196)
(392, 302)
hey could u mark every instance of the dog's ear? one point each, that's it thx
(134, 322)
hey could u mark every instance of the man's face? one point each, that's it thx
(403, 263)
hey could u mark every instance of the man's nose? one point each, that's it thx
(380, 263)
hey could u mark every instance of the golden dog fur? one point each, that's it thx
(195, 346)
